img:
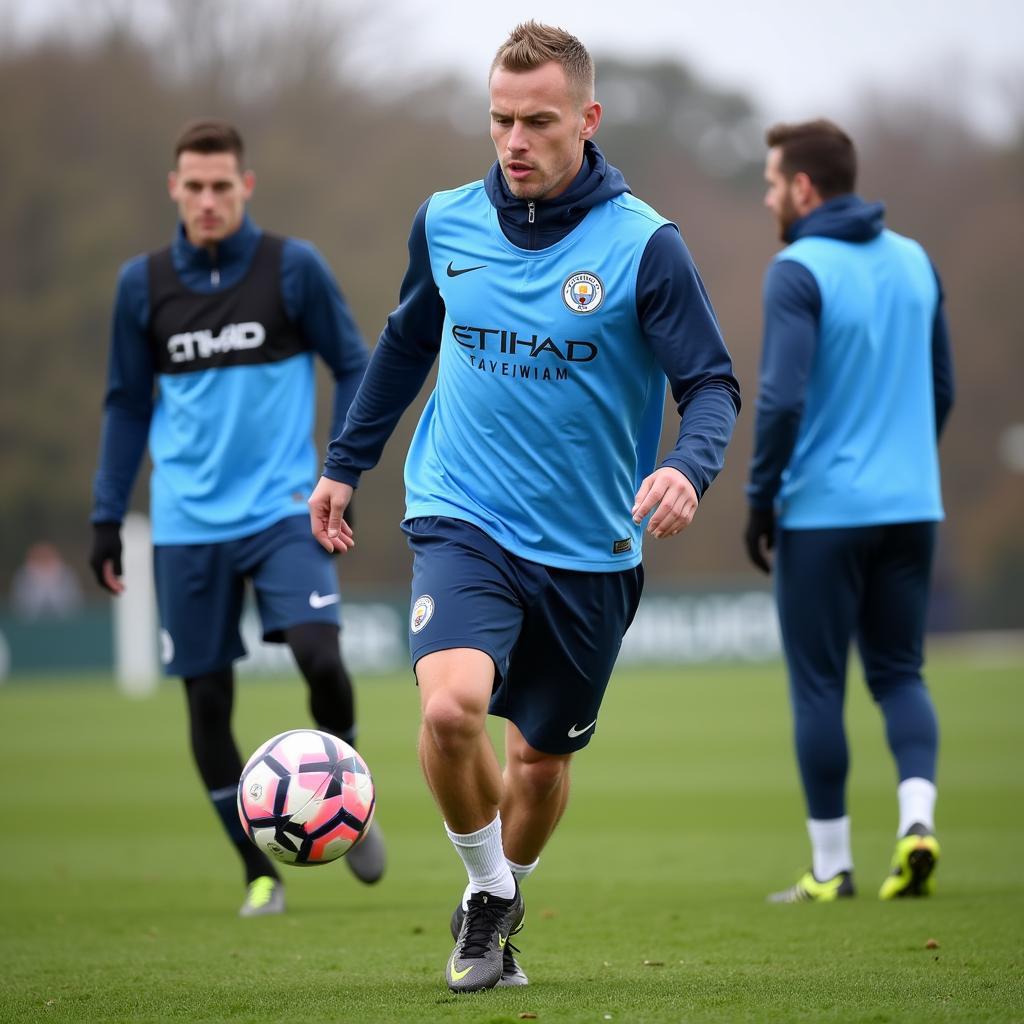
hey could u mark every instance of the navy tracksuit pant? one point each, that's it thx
(869, 583)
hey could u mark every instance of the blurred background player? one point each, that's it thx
(225, 323)
(856, 384)
(44, 585)
(557, 304)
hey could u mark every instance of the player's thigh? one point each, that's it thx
(560, 668)
(819, 580)
(465, 594)
(199, 596)
(895, 606)
(295, 579)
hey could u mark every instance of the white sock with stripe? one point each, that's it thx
(484, 859)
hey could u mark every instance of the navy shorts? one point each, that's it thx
(553, 634)
(200, 590)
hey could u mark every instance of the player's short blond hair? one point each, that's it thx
(530, 45)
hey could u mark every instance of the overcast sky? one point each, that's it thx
(795, 58)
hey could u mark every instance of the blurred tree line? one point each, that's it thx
(88, 129)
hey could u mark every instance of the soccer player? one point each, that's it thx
(856, 384)
(225, 323)
(558, 305)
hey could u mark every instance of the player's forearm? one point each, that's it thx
(792, 308)
(680, 325)
(775, 437)
(128, 404)
(398, 368)
(942, 370)
(122, 446)
(393, 379)
(345, 387)
(704, 433)
(706, 393)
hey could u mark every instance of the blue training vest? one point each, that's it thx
(548, 406)
(866, 452)
(231, 434)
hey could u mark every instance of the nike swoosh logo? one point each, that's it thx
(452, 272)
(502, 939)
(459, 975)
(316, 601)
(574, 731)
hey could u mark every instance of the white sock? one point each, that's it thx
(482, 854)
(917, 804)
(520, 872)
(830, 846)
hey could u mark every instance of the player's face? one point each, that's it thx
(211, 193)
(778, 196)
(538, 126)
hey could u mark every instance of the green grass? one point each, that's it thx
(118, 895)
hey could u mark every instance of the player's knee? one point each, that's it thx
(316, 651)
(452, 721)
(210, 700)
(328, 680)
(320, 664)
(884, 683)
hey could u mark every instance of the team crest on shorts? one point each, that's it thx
(422, 612)
(583, 292)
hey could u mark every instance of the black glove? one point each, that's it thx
(760, 536)
(106, 547)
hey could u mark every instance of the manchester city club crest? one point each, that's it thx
(422, 610)
(583, 292)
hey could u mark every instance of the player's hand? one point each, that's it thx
(760, 536)
(327, 506)
(105, 557)
(674, 497)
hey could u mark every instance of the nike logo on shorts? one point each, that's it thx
(316, 601)
(576, 731)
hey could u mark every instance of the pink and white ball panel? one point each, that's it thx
(306, 797)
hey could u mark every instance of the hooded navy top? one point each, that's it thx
(856, 375)
(522, 320)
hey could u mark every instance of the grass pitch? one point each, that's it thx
(118, 894)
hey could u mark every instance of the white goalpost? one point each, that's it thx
(135, 629)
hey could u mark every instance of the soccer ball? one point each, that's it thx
(305, 797)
